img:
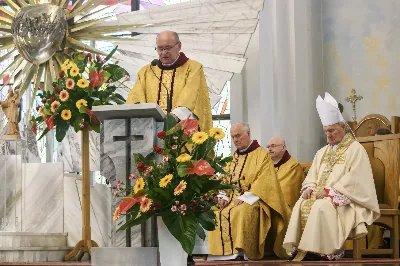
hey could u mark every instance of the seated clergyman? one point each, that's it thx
(338, 195)
(245, 217)
(288, 169)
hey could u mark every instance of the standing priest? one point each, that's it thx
(176, 83)
(254, 218)
(338, 195)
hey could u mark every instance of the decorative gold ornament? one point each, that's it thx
(353, 99)
(41, 36)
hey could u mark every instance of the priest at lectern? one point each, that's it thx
(338, 195)
(176, 83)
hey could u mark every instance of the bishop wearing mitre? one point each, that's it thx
(338, 197)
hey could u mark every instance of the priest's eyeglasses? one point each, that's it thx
(273, 146)
(166, 48)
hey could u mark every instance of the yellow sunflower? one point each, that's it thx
(67, 65)
(145, 204)
(83, 83)
(199, 137)
(165, 180)
(64, 95)
(70, 84)
(180, 188)
(217, 133)
(80, 103)
(183, 158)
(139, 185)
(66, 114)
(74, 71)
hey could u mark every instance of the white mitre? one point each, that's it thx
(328, 110)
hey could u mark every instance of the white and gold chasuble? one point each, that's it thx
(320, 226)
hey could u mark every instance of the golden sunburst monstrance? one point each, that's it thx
(40, 36)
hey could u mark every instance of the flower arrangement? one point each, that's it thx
(83, 82)
(182, 187)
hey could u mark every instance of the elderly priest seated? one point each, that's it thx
(257, 209)
(338, 195)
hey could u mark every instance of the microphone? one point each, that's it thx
(169, 101)
(154, 62)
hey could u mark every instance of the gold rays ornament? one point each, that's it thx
(40, 36)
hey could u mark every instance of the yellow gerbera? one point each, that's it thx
(74, 71)
(165, 180)
(217, 133)
(145, 204)
(139, 185)
(66, 114)
(83, 83)
(199, 137)
(80, 103)
(67, 65)
(180, 188)
(183, 158)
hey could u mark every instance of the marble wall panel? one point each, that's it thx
(43, 198)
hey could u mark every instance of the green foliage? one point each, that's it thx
(75, 86)
(181, 187)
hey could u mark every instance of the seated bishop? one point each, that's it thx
(253, 218)
(338, 195)
(290, 173)
(175, 82)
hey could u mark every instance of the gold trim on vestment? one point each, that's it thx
(330, 158)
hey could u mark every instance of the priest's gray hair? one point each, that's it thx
(244, 126)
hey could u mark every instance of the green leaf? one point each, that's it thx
(106, 75)
(61, 130)
(45, 131)
(207, 220)
(200, 232)
(95, 127)
(135, 221)
(182, 170)
(169, 122)
(116, 72)
(111, 54)
(96, 103)
(82, 109)
(214, 185)
(165, 196)
(183, 228)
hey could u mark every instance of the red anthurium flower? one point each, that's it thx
(49, 120)
(126, 204)
(96, 78)
(200, 168)
(189, 126)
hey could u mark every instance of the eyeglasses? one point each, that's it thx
(166, 48)
(274, 146)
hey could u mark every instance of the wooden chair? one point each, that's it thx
(384, 154)
(370, 123)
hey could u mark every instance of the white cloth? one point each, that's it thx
(249, 198)
(183, 113)
(328, 110)
(222, 195)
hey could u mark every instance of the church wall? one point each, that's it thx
(361, 43)
(277, 89)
